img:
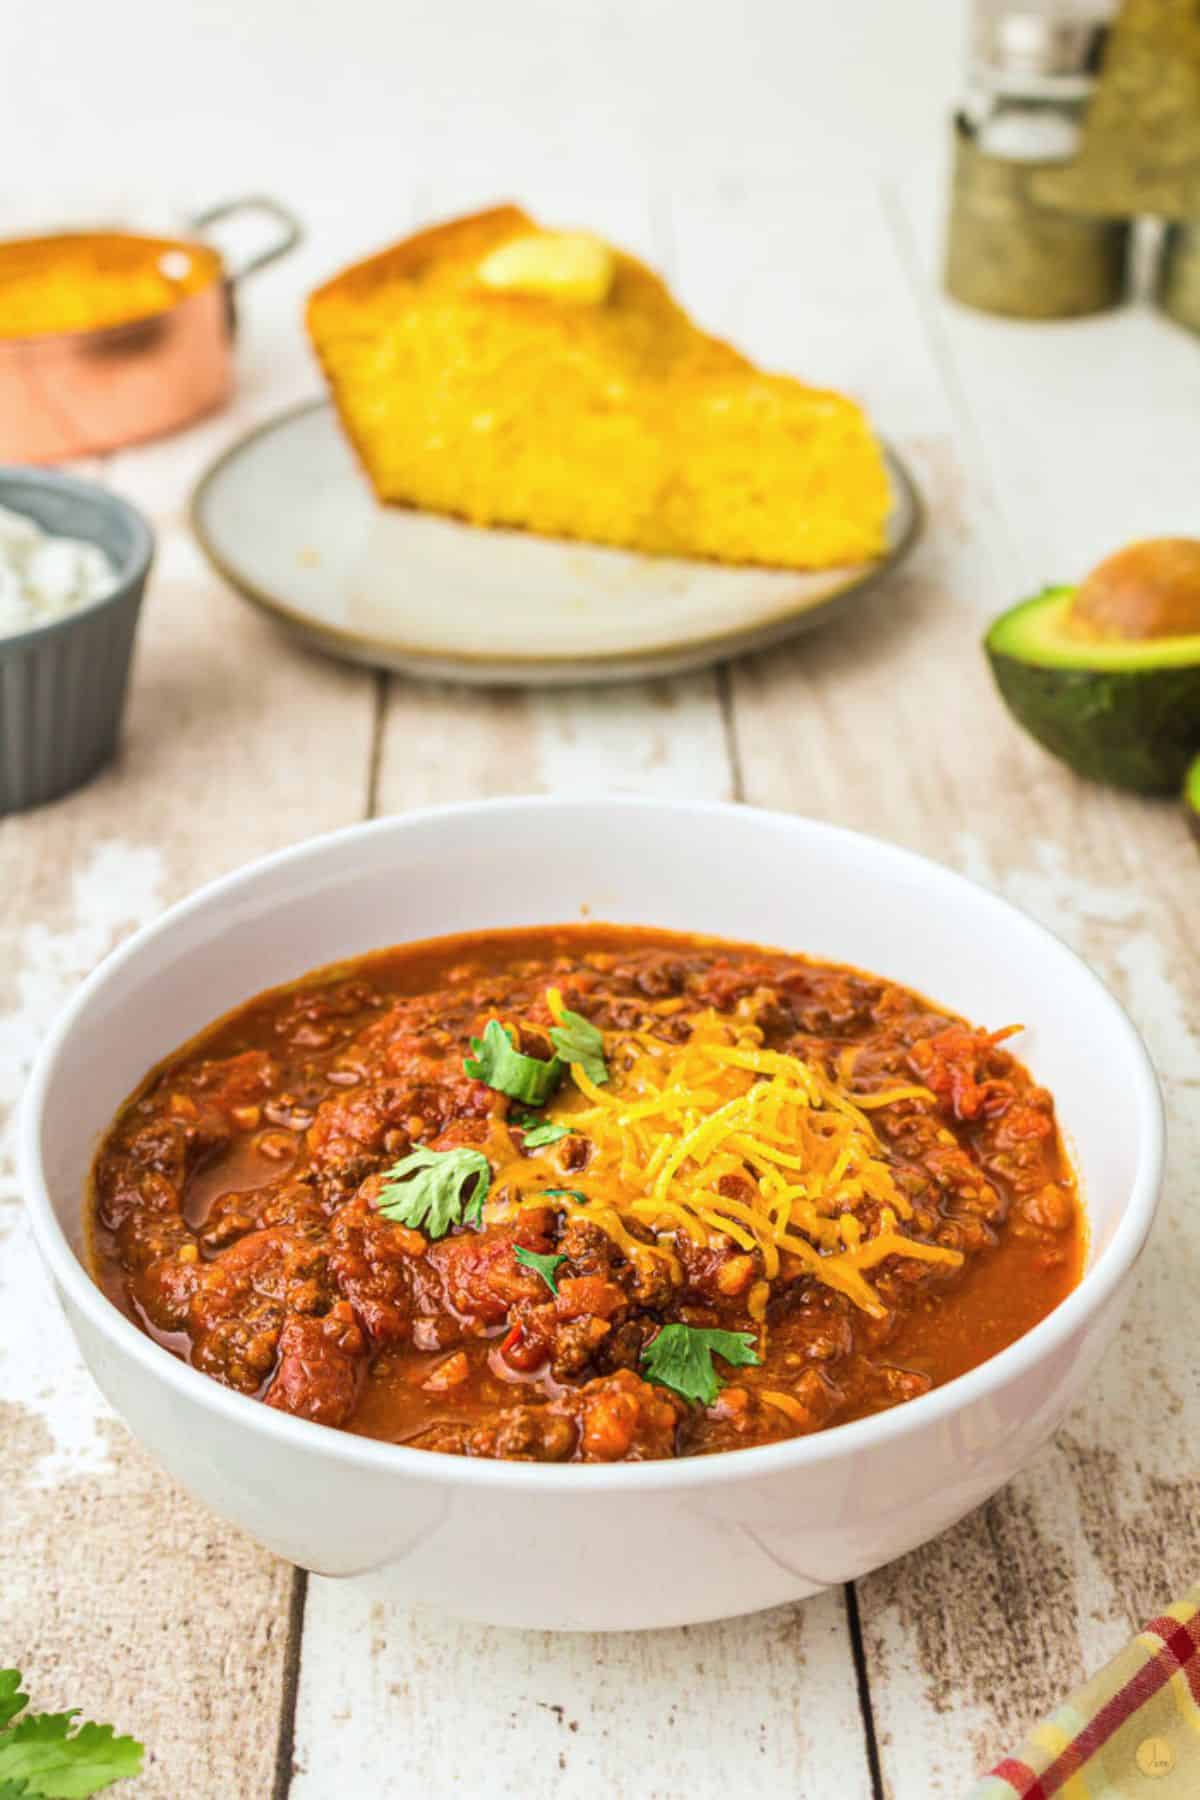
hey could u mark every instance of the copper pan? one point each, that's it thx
(76, 393)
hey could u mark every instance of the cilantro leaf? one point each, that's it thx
(12, 1700)
(45, 1758)
(504, 1068)
(63, 1765)
(577, 1040)
(680, 1357)
(539, 1131)
(425, 1189)
(544, 1265)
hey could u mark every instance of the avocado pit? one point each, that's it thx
(1149, 589)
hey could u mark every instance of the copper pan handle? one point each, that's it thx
(289, 231)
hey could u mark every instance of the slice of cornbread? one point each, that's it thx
(515, 376)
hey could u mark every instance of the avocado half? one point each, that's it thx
(1191, 798)
(1124, 711)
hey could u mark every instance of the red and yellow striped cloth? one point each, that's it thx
(1132, 1733)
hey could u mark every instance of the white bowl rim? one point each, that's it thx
(860, 1436)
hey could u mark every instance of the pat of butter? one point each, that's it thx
(560, 265)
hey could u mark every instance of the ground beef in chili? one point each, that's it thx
(236, 1208)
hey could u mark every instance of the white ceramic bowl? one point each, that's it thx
(589, 1546)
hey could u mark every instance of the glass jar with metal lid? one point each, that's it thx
(1031, 79)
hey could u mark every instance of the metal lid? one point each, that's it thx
(1034, 53)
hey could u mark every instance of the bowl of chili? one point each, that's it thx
(593, 1275)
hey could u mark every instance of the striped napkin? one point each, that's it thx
(1132, 1733)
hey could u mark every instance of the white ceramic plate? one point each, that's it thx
(288, 517)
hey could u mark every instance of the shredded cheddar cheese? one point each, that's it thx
(785, 1403)
(719, 1134)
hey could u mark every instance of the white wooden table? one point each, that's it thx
(1038, 449)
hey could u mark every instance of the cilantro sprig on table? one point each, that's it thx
(681, 1358)
(45, 1756)
(431, 1190)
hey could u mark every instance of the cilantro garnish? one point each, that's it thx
(544, 1265)
(425, 1190)
(541, 1135)
(680, 1357)
(498, 1063)
(41, 1755)
(11, 1697)
(577, 1040)
(539, 1131)
(566, 1194)
(504, 1068)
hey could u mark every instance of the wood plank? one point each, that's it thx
(891, 725)
(547, 1714)
(631, 1715)
(235, 744)
(445, 743)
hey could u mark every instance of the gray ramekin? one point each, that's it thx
(62, 685)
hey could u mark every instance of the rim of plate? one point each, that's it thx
(711, 646)
(858, 1437)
